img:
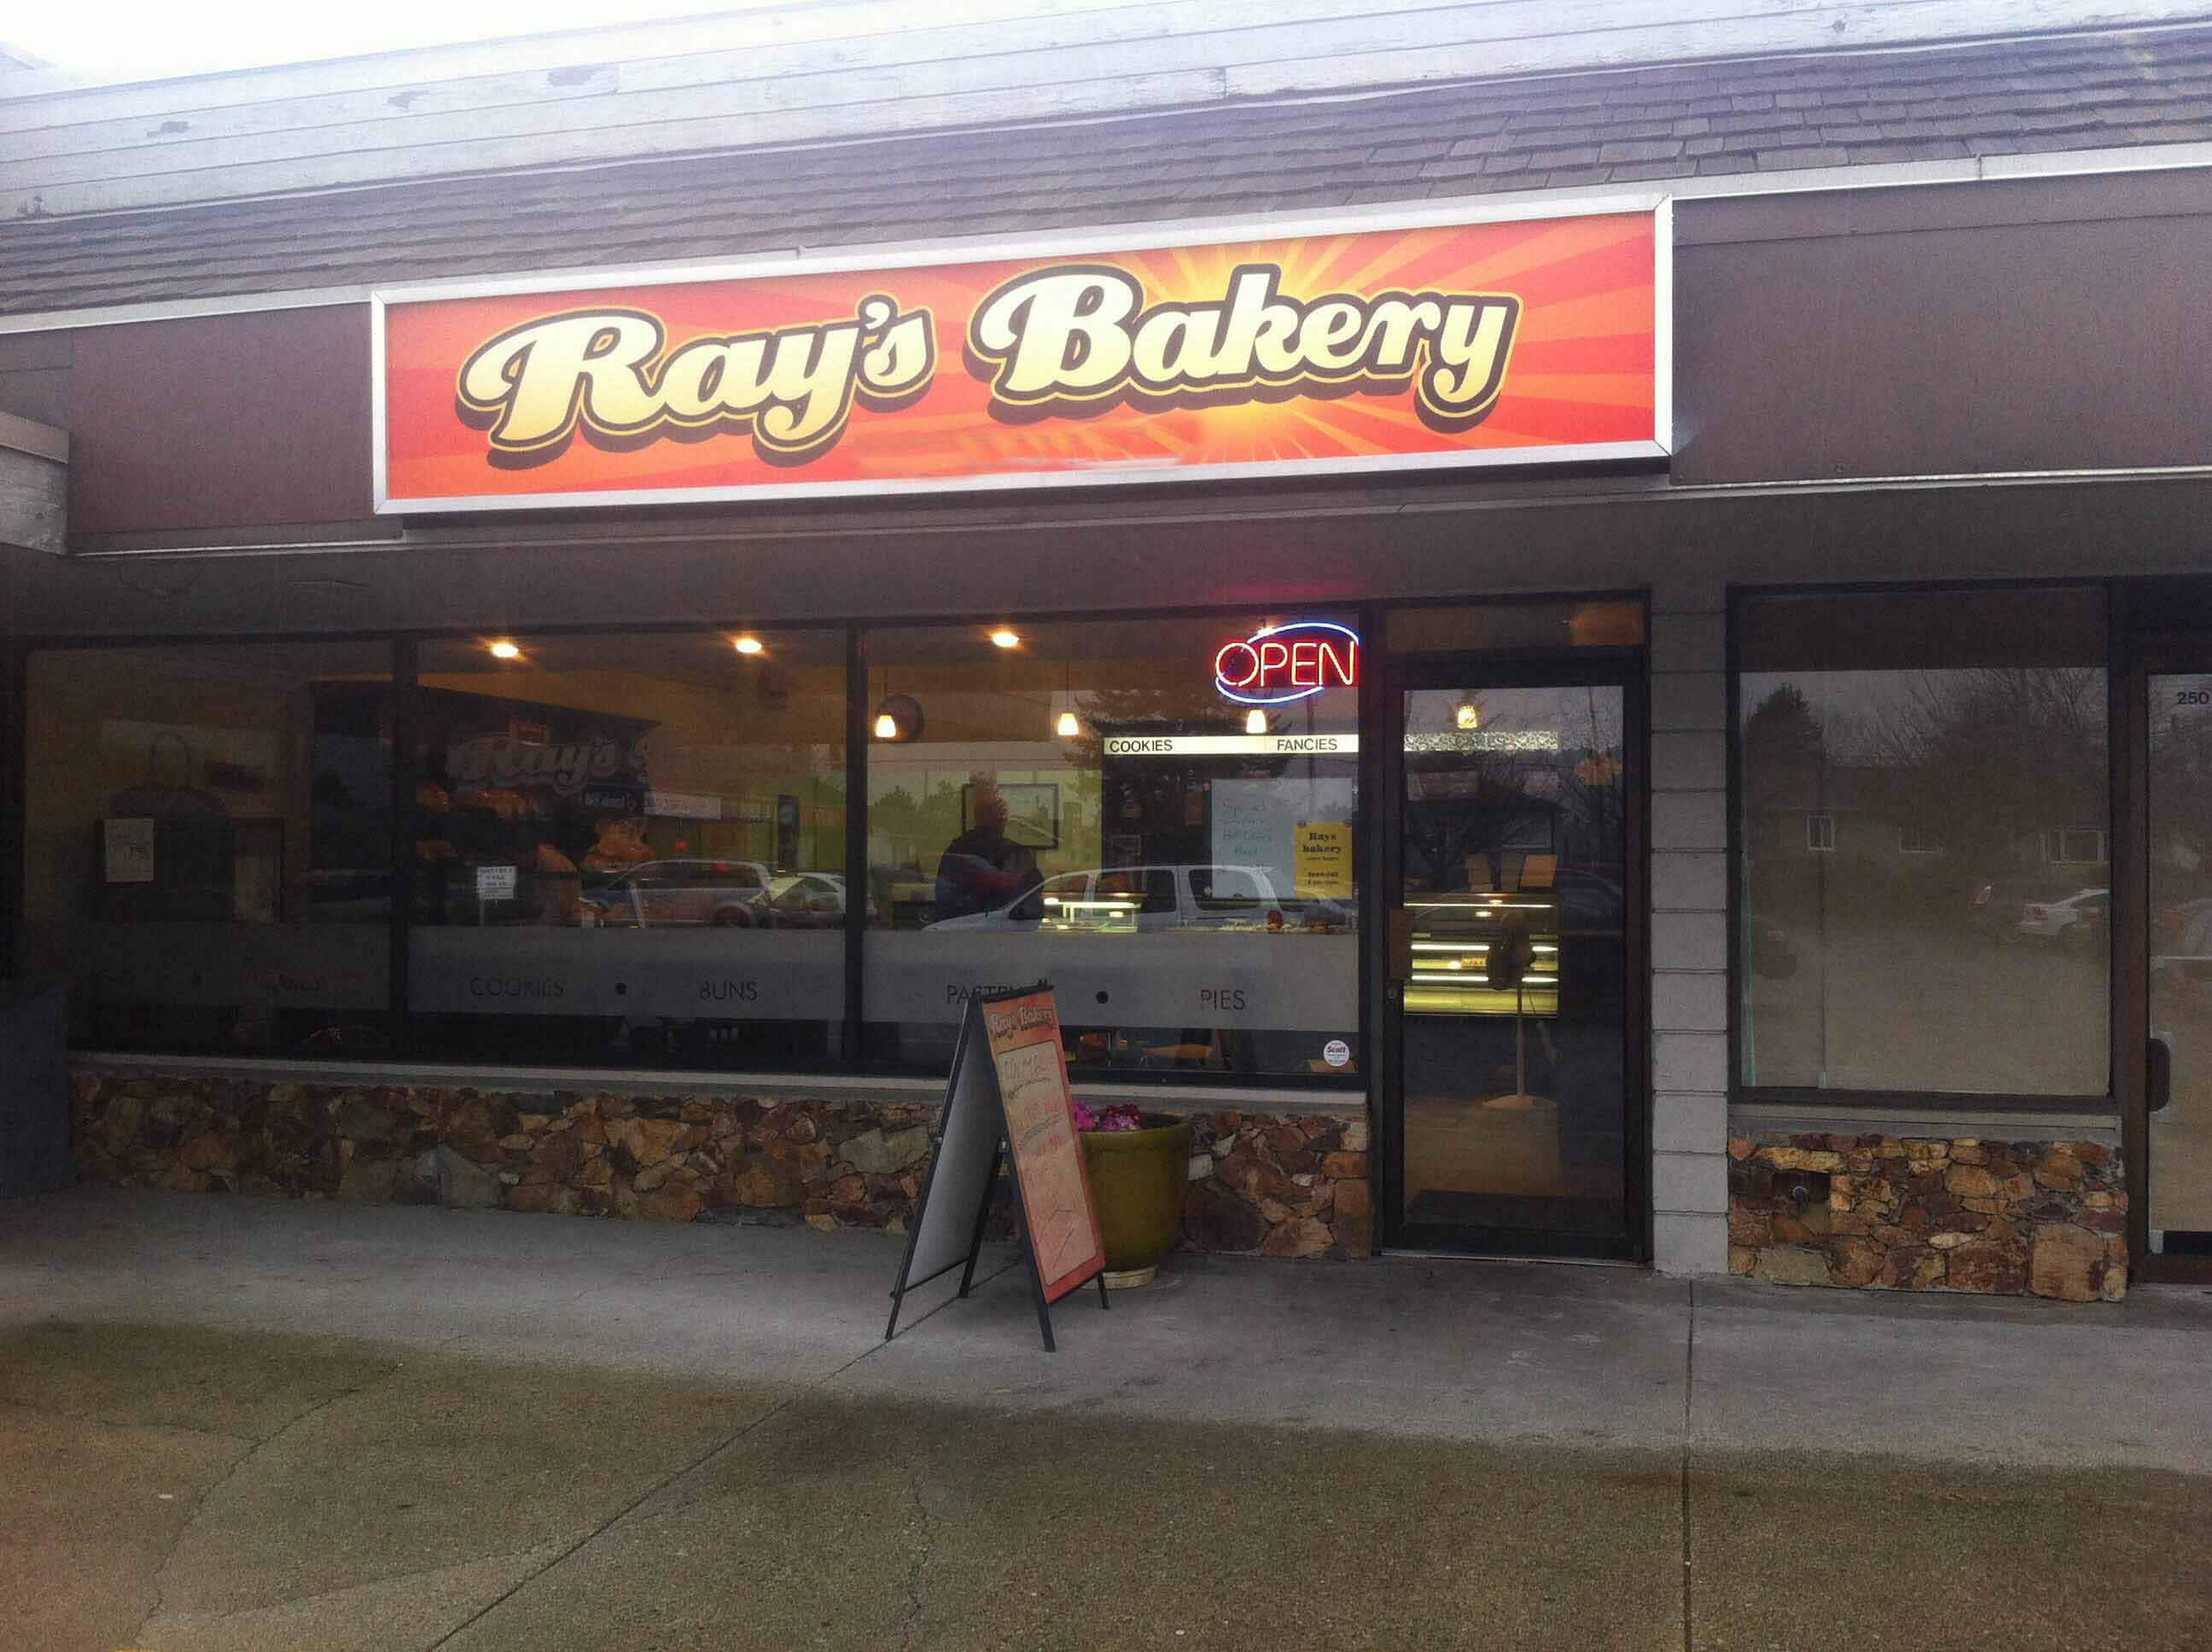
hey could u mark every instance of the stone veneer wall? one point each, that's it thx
(1996, 1218)
(1282, 1185)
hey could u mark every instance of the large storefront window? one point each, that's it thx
(630, 850)
(207, 844)
(1084, 803)
(1926, 887)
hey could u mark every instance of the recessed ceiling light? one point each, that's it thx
(747, 645)
(1005, 639)
(505, 650)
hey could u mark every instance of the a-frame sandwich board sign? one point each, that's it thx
(1007, 1098)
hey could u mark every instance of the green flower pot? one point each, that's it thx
(1137, 1182)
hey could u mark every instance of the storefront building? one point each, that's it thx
(1607, 665)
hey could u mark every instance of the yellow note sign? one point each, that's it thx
(1322, 867)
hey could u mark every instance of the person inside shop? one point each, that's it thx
(983, 868)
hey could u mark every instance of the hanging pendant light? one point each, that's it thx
(1467, 718)
(1256, 721)
(1067, 726)
(899, 716)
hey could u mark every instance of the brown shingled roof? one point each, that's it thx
(2012, 96)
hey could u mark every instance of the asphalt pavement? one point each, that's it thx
(243, 1424)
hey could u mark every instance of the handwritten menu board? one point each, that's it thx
(1063, 1226)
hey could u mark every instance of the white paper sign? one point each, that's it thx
(495, 883)
(129, 850)
(1256, 823)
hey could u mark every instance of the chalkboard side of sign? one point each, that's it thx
(963, 1174)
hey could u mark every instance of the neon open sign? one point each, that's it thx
(1279, 664)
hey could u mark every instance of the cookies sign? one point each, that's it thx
(1335, 345)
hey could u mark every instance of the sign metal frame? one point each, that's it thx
(973, 1045)
(1131, 239)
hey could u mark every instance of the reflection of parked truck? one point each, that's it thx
(1137, 899)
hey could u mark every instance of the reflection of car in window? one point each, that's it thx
(2082, 918)
(1994, 908)
(2181, 940)
(1130, 900)
(725, 892)
(728, 894)
(806, 900)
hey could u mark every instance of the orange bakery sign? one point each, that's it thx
(1252, 351)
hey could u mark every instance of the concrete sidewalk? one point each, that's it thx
(245, 1423)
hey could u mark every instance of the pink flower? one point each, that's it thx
(1121, 1115)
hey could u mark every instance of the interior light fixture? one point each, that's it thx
(899, 716)
(1256, 721)
(504, 650)
(1467, 717)
(1067, 726)
(747, 645)
(1003, 638)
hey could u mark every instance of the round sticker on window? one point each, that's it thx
(1336, 1053)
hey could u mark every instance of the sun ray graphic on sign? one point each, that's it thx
(1573, 364)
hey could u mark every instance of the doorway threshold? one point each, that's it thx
(1497, 1256)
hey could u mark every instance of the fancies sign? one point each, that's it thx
(1323, 346)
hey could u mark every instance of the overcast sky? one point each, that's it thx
(140, 40)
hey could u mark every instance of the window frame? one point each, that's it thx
(1923, 1102)
(1913, 838)
(2058, 835)
(1820, 833)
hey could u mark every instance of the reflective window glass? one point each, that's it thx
(2179, 720)
(207, 844)
(629, 850)
(1095, 804)
(1470, 628)
(1925, 894)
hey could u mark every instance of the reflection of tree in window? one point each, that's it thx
(2000, 753)
(1503, 802)
(1901, 826)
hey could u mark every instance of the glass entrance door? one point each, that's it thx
(2179, 819)
(1509, 1018)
